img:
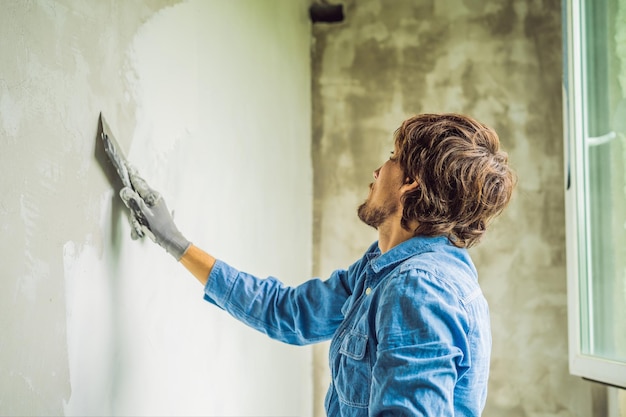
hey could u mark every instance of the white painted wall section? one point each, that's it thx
(211, 100)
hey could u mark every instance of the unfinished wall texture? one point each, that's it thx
(211, 101)
(500, 61)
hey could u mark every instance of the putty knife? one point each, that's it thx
(118, 159)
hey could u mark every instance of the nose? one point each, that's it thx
(376, 172)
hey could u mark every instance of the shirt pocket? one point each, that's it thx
(354, 373)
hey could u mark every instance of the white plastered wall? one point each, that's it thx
(211, 100)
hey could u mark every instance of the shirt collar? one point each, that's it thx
(404, 251)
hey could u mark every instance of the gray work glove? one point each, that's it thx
(151, 212)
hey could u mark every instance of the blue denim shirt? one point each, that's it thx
(410, 328)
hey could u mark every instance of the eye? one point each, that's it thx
(392, 156)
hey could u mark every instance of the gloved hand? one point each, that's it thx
(150, 210)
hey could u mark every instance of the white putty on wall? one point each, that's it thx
(182, 80)
(90, 316)
(211, 100)
(36, 268)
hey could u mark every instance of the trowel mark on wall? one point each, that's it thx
(10, 115)
(36, 269)
(159, 131)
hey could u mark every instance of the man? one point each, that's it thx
(408, 321)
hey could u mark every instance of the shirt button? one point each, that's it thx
(368, 290)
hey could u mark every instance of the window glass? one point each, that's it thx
(602, 239)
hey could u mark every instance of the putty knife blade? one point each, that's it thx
(118, 159)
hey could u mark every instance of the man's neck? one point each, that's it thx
(392, 234)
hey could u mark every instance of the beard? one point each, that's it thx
(375, 216)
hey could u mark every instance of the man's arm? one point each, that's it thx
(198, 262)
(304, 314)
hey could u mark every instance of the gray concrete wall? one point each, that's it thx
(211, 101)
(500, 61)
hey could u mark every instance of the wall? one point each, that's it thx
(499, 61)
(211, 100)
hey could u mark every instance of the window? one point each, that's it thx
(595, 152)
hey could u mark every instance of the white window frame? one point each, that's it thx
(575, 143)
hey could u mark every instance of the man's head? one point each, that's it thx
(461, 178)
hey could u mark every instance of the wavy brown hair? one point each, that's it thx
(463, 177)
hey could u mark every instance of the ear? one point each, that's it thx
(409, 185)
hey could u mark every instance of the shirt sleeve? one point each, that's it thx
(422, 333)
(308, 313)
